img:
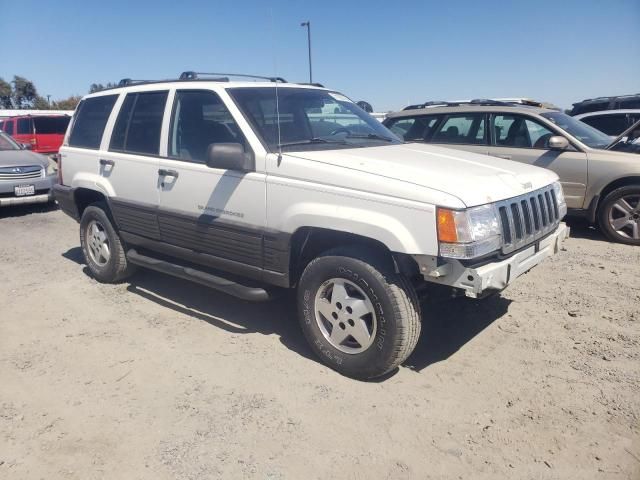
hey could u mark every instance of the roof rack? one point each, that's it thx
(196, 76)
(313, 84)
(478, 101)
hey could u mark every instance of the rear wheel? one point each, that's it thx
(619, 215)
(101, 245)
(359, 316)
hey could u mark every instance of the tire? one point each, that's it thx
(383, 337)
(619, 215)
(106, 268)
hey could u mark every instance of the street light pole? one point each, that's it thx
(308, 25)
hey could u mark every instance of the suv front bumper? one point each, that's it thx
(495, 276)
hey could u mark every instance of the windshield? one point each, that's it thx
(309, 119)
(583, 132)
(7, 143)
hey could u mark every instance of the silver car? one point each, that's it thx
(601, 182)
(25, 177)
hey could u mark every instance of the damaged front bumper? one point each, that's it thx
(480, 281)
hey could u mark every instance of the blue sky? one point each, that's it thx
(389, 53)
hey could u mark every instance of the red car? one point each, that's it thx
(43, 132)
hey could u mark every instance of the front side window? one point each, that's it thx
(612, 125)
(467, 128)
(25, 126)
(520, 132)
(89, 121)
(200, 118)
(413, 129)
(137, 129)
(309, 119)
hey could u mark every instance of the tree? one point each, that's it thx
(67, 104)
(5, 94)
(40, 103)
(24, 92)
(96, 87)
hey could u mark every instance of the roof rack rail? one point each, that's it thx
(482, 102)
(313, 84)
(125, 82)
(196, 75)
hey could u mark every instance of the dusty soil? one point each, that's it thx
(158, 378)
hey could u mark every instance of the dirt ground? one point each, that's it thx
(158, 378)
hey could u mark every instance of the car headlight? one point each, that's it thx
(468, 233)
(562, 203)
(52, 168)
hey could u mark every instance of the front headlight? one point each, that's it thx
(562, 203)
(52, 168)
(468, 233)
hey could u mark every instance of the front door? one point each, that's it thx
(207, 210)
(524, 139)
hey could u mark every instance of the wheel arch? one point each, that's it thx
(610, 187)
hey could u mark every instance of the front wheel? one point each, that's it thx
(619, 215)
(359, 316)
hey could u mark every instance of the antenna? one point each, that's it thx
(275, 71)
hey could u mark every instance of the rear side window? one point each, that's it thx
(25, 126)
(51, 125)
(90, 120)
(465, 128)
(413, 128)
(137, 129)
(610, 124)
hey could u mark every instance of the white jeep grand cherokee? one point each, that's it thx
(248, 186)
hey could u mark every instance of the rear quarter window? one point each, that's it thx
(51, 125)
(90, 120)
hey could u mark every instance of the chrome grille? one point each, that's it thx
(528, 217)
(21, 172)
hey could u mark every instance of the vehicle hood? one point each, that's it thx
(17, 158)
(473, 178)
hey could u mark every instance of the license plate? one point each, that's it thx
(24, 190)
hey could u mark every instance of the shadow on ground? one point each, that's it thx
(448, 324)
(22, 210)
(581, 228)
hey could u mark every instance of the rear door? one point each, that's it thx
(462, 131)
(525, 139)
(212, 211)
(49, 132)
(129, 161)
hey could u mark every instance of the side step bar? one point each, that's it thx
(253, 294)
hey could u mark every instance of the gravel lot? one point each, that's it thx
(159, 378)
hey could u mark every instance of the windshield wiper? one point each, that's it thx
(373, 136)
(311, 141)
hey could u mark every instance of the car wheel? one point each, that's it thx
(359, 316)
(101, 246)
(619, 215)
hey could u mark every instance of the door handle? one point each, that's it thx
(167, 173)
(104, 162)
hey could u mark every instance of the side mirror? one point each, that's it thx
(558, 142)
(26, 146)
(228, 156)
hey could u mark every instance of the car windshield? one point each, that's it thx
(583, 132)
(309, 119)
(7, 143)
